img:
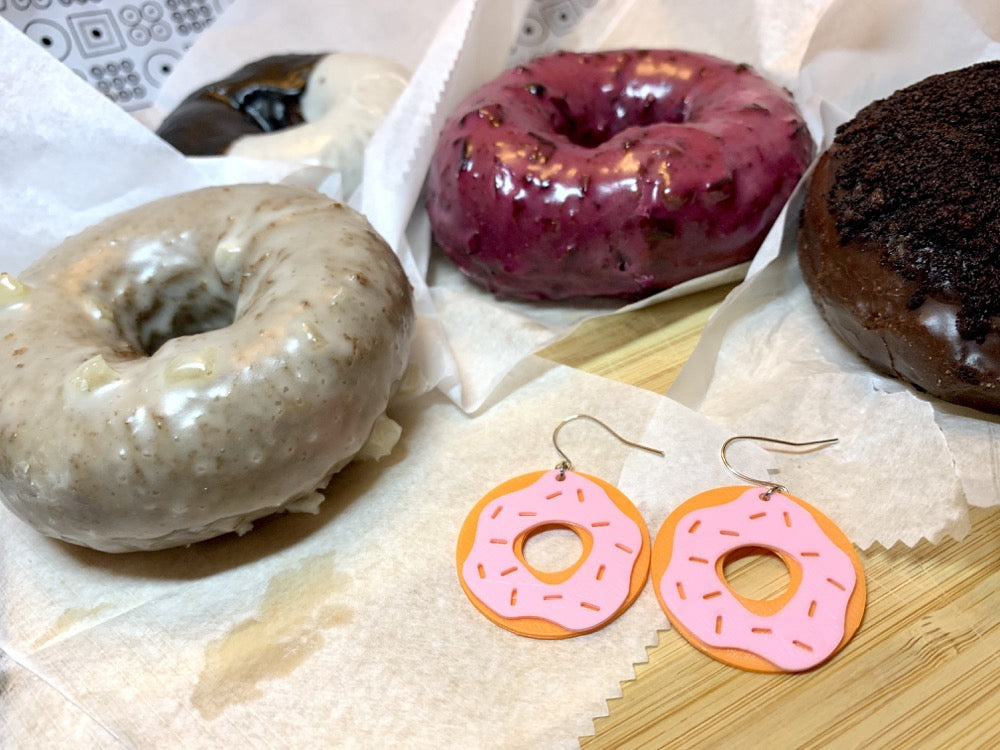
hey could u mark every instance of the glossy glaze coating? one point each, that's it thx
(345, 100)
(184, 368)
(312, 109)
(613, 174)
(869, 306)
(900, 241)
(261, 97)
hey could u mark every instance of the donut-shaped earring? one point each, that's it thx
(586, 596)
(813, 619)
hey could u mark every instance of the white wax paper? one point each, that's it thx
(908, 465)
(344, 628)
(349, 627)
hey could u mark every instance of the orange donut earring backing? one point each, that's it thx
(584, 597)
(817, 615)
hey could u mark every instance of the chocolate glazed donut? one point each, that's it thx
(900, 235)
(258, 98)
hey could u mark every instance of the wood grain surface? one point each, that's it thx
(923, 670)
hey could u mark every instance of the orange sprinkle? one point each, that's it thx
(788, 519)
(508, 571)
(838, 585)
(554, 494)
(588, 605)
(727, 532)
(513, 597)
(712, 594)
(623, 548)
(496, 512)
(763, 631)
(527, 513)
(600, 573)
(812, 608)
(579, 495)
(694, 527)
(498, 541)
(698, 560)
(800, 644)
(549, 597)
(597, 524)
(680, 590)
(482, 570)
(755, 516)
(718, 625)
(809, 554)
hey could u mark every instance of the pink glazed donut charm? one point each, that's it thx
(811, 621)
(592, 592)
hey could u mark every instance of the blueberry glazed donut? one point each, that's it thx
(613, 174)
(184, 368)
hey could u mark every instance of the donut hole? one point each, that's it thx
(756, 573)
(553, 549)
(590, 123)
(272, 109)
(183, 306)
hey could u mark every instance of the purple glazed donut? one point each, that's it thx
(613, 174)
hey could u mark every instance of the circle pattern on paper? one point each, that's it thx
(123, 48)
(543, 24)
(50, 36)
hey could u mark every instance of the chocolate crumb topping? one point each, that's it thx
(919, 176)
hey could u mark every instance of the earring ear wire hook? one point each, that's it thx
(566, 465)
(771, 486)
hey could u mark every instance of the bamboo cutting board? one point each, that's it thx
(923, 670)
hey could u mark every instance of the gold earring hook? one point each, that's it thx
(567, 465)
(772, 487)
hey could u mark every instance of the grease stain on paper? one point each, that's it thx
(67, 621)
(287, 629)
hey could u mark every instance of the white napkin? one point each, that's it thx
(908, 465)
(349, 627)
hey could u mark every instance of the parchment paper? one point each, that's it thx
(768, 364)
(349, 628)
(346, 628)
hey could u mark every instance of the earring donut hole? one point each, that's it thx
(755, 572)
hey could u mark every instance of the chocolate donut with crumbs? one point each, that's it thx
(899, 241)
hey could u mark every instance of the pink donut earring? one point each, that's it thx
(812, 620)
(597, 588)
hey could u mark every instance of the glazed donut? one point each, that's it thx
(812, 620)
(613, 174)
(314, 109)
(900, 235)
(592, 592)
(186, 367)
(261, 97)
